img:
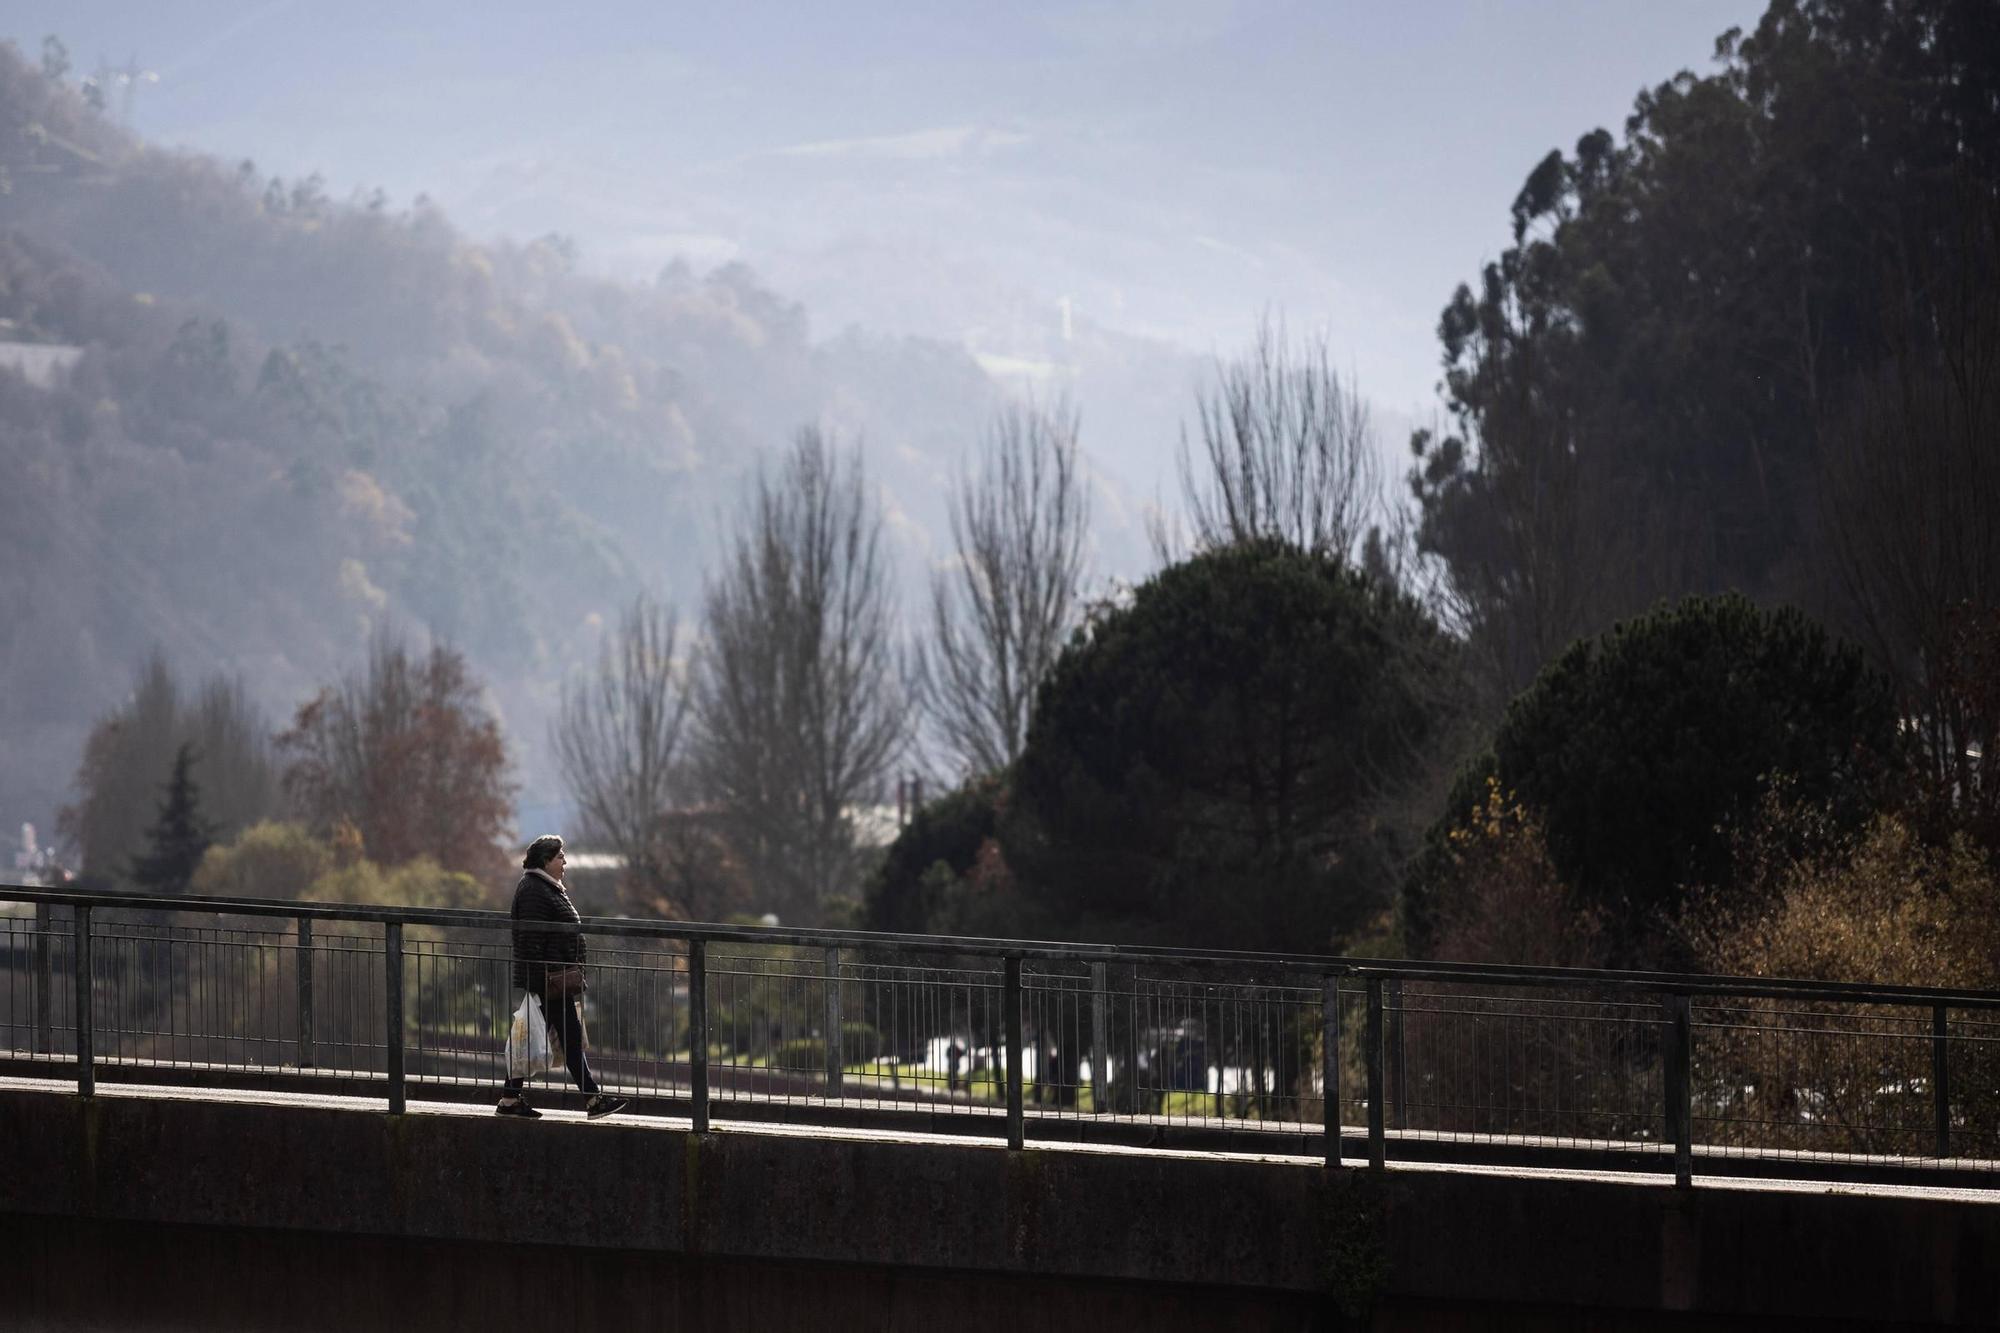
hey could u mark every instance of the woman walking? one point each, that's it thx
(548, 964)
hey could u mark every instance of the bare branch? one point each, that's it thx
(1286, 452)
(618, 737)
(1000, 614)
(801, 705)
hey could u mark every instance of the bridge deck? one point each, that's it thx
(657, 1119)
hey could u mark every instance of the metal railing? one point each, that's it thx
(1349, 1060)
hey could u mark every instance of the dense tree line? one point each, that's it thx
(1750, 345)
(1644, 390)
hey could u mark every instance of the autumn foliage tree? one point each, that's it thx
(1878, 903)
(407, 754)
(1499, 898)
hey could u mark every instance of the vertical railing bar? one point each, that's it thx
(1392, 1053)
(697, 975)
(1941, 1076)
(392, 1000)
(1010, 1013)
(86, 1073)
(1679, 1084)
(1378, 1145)
(1329, 1065)
(1100, 1007)
(45, 994)
(304, 968)
(833, 1019)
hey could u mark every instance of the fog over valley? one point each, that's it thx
(320, 323)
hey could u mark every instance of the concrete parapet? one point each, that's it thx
(650, 1208)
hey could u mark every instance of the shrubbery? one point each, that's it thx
(859, 1043)
(1640, 752)
(1879, 905)
(272, 860)
(944, 872)
(1875, 905)
(267, 860)
(1496, 896)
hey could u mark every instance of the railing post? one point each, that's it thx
(1392, 1051)
(45, 991)
(833, 1042)
(303, 964)
(697, 971)
(1329, 1065)
(1941, 1076)
(1010, 1013)
(1378, 1140)
(1680, 1084)
(86, 1072)
(392, 969)
(1100, 1014)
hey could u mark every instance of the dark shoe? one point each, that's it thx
(517, 1106)
(600, 1106)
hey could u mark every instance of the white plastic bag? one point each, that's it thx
(531, 1048)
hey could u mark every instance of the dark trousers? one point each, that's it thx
(565, 1012)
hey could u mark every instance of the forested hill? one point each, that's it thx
(291, 419)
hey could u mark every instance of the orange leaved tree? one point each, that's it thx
(407, 753)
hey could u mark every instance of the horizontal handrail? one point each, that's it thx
(1323, 965)
(194, 981)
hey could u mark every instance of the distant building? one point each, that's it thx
(876, 825)
(35, 864)
(38, 363)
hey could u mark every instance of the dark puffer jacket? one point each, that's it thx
(539, 898)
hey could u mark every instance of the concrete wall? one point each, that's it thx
(235, 1214)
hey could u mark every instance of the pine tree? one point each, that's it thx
(178, 837)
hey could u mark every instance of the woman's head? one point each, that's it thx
(542, 851)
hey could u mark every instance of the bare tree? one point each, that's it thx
(999, 614)
(801, 700)
(618, 740)
(1286, 451)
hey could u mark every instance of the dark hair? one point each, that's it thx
(541, 851)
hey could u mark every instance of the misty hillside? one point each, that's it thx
(248, 423)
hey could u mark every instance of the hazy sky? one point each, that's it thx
(1168, 169)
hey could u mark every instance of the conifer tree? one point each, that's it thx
(178, 837)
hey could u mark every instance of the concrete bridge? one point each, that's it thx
(217, 1180)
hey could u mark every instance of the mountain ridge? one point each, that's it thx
(293, 422)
